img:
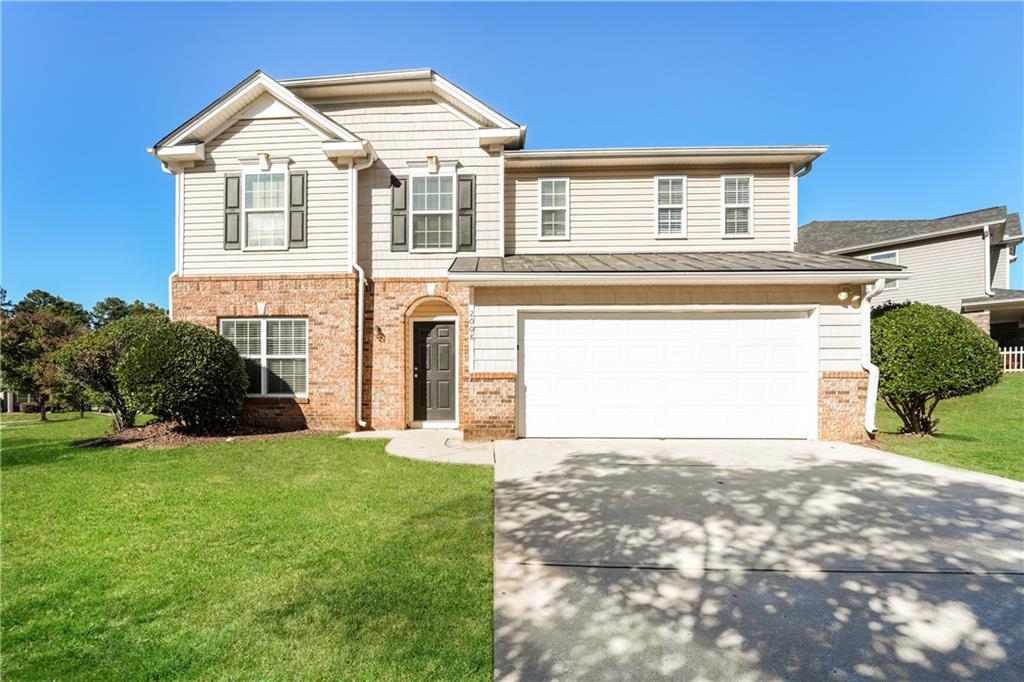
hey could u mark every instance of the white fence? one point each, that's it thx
(1013, 358)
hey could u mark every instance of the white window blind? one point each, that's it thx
(737, 201)
(275, 353)
(671, 206)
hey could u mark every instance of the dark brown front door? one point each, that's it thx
(433, 371)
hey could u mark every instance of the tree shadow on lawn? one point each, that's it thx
(836, 570)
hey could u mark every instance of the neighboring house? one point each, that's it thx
(960, 261)
(384, 254)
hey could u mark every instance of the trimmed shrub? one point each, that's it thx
(92, 360)
(925, 354)
(187, 373)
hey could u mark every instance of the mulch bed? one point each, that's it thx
(171, 435)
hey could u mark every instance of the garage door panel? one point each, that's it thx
(748, 375)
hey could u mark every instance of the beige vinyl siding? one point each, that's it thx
(943, 271)
(403, 131)
(203, 203)
(1000, 266)
(614, 210)
(494, 333)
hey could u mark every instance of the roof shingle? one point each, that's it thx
(842, 236)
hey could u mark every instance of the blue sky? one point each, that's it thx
(920, 103)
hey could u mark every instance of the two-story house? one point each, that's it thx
(961, 262)
(385, 254)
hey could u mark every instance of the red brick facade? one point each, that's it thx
(842, 397)
(390, 306)
(327, 301)
(489, 406)
(486, 402)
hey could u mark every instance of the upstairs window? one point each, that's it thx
(737, 205)
(274, 352)
(554, 208)
(670, 206)
(264, 205)
(433, 213)
(892, 258)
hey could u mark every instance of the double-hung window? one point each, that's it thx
(554, 208)
(275, 354)
(670, 206)
(433, 212)
(264, 207)
(738, 205)
(892, 258)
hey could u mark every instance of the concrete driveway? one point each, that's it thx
(752, 560)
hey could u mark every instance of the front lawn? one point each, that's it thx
(983, 432)
(298, 558)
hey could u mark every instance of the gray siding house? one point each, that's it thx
(960, 261)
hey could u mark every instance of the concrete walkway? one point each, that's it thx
(752, 561)
(432, 445)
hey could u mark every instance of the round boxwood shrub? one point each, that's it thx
(187, 373)
(92, 361)
(925, 354)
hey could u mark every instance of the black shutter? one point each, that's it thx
(232, 203)
(297, 210)
(399, 214)
(467, 213)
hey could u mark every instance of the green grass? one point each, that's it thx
(982, 432)
(299, 558)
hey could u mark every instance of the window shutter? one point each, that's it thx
(232, 204)
(399, 214)
(467, 213)
(297, 210)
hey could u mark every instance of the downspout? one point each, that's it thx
(988, 261)
(178, 198)
(501, 204)
(870, 291)
(353, 254)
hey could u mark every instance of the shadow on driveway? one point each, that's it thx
(809, 565)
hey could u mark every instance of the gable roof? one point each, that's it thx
(413, 82)
(212, 119)
(845, 236)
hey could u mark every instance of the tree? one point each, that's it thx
(28, 345)
(92, 360)
(37, 300)
(113, 308)
(926, 354)
(185, 372)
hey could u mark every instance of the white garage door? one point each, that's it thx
(735, 375)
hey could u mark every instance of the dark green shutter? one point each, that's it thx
(467, 213)
(232, 204)
(297, 210)
(399, 214)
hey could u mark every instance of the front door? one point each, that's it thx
(433, 371)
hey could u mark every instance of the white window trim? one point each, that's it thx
(749, 205)
(541, 209)
(445, 170)
(657, 206)
(254, 169)
(890, 284)
(263, 357)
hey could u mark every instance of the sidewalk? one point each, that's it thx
(432, 445)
